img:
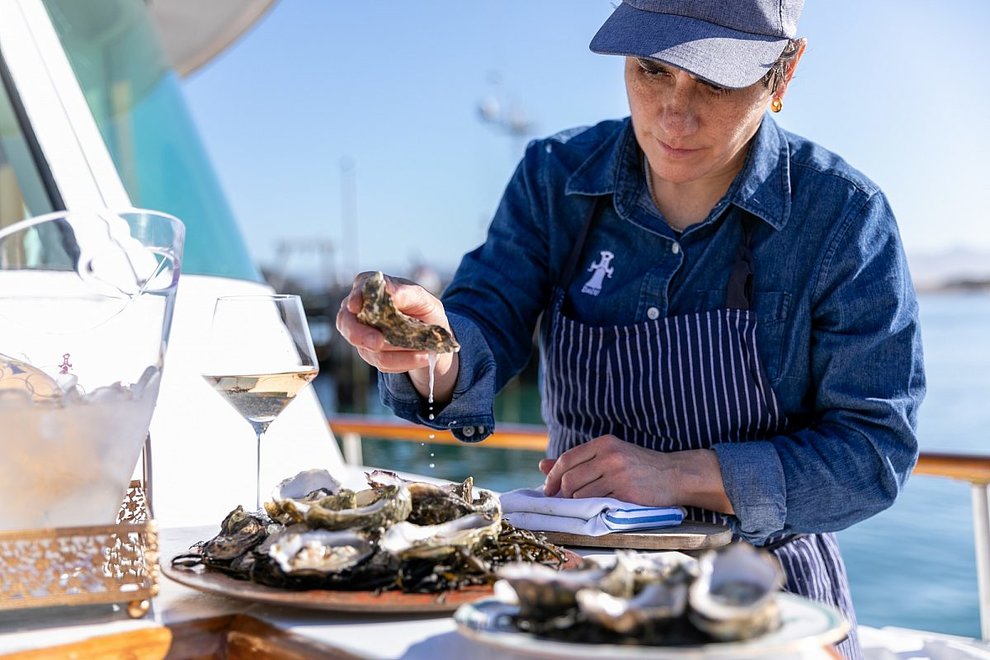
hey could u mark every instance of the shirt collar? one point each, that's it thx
(762, 188)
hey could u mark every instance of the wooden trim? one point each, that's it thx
(965, 467)
(142, 644)
(533, 437)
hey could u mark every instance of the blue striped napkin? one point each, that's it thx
(529, 508)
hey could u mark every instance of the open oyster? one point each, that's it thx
(640, 591)
(734, 596)
(316, 498)
(367, 509)
(659, 603)
(433, 504)
(408, 540)
(318, 552)
(399, 329)
(292, 497)
(543, 592)
(633, 571)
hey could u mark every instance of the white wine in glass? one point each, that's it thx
(260, 356)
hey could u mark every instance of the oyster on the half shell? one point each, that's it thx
(378, 311)
(317, 499)
(319, 551)
(543, 592)
(292, 497)
(367, 509)
(408, 540)
(734, 596)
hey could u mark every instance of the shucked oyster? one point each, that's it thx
(734, 596)
(318, 552)
(408, 540)
(443, 520)
(433, 504)
(641, 591)
(316, 498)
(367, 509)
(378, 311)
(292, 497)
(543, 592)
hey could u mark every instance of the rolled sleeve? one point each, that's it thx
(469, 415)
(754, 482)
(847, 455)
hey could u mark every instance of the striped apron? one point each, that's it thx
(677, 383)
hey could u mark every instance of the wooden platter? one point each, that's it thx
(689, 535)
(386, 602)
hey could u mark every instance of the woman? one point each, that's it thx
(726, 318)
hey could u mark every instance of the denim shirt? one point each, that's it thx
(838, 329)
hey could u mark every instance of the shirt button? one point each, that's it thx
(653, 313)
(468, 431)
(675, 248)
(481, 429)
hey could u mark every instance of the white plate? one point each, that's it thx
(807, 626)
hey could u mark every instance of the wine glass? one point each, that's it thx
(260, 355)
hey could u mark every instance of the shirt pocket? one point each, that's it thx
(772, 310)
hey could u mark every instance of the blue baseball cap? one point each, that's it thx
(730, 43)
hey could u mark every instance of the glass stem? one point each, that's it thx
(259, 430)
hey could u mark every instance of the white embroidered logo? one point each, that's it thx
(601, 269)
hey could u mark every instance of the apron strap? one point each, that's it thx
(739, 294)
(579, 245)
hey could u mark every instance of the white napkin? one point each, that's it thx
(592, 516)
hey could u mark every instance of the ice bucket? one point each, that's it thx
(86, 302)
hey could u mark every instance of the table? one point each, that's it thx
(186, 622)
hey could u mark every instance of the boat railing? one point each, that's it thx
(351, 429)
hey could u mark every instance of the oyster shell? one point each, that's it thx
(239, 532)
(314, 497)
(433, 504)
(633, 571)
(734, 596)
(543, 592)
(640, 591)
(369, 509)
(292, 497)
(658, 603)
(407, 540)
(377, 310)
(318, 552)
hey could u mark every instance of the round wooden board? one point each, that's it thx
(386, 602)
(689, 535)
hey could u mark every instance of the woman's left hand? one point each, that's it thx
(608, 466)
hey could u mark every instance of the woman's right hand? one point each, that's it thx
(412, 300)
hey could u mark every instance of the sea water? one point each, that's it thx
(912, 565)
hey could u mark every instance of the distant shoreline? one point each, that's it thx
(961, 285)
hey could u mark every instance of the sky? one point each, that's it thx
(358, 124)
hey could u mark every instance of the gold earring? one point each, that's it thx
(776, 104)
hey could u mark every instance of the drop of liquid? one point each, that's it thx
(433, 367)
